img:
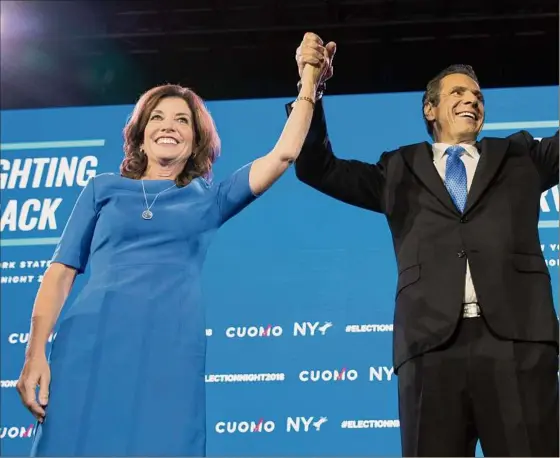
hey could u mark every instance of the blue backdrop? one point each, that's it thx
(299, 287)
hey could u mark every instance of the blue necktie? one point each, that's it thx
(456, 176)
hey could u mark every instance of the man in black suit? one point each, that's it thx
(475, 330)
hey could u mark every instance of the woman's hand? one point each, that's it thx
(312, 52)
(36, 371)
(313, 74)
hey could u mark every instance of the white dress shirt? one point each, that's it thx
(470, 159)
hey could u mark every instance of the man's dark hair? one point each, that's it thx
(433, 88)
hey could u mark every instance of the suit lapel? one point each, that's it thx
(420, 159)
(492, 153)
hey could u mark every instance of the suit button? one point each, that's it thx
(464, 219)
(461, 254)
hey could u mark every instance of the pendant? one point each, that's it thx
(147, 214)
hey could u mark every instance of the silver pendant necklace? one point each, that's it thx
(147, 214)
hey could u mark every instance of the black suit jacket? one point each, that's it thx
(497, 233)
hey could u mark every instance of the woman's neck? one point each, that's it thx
(163, 171)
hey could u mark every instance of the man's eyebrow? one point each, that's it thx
(476, 92)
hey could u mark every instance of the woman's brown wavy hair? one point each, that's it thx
(206, 147)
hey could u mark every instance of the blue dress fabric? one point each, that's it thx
(128, 362)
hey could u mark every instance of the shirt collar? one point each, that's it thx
(439, 150)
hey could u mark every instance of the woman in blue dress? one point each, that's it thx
(126, 372)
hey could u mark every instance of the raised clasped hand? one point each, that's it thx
(312, 52)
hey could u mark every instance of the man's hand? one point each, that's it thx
(311, 51)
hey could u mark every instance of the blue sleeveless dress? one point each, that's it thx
(128, 362)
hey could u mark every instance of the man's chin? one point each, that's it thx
(466, 137)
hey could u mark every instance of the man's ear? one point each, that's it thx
(429, 112)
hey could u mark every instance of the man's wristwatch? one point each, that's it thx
(320, 89)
